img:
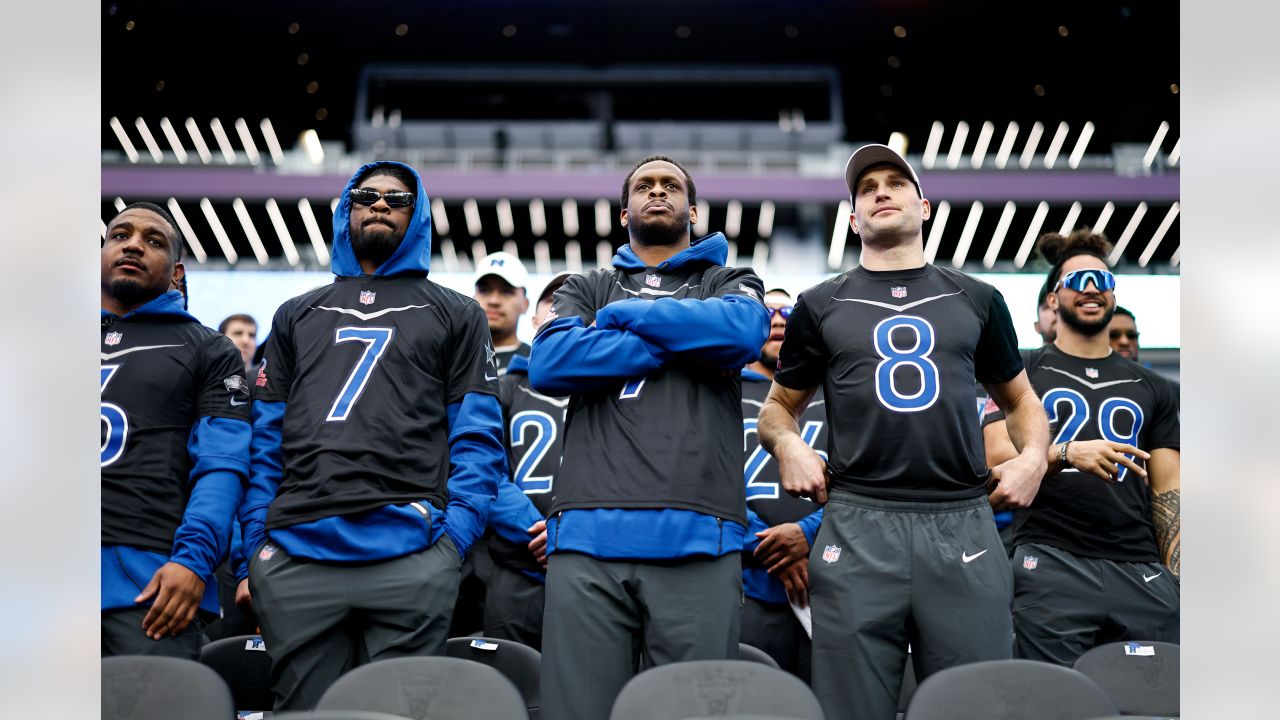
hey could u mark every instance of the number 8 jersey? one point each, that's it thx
(896, 354)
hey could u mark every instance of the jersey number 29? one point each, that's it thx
(1078, 414)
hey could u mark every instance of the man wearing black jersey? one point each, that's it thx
(648, 513)
(377, 449)
(908, 551)
(1098, 553)
(175, 444)
(781, 528)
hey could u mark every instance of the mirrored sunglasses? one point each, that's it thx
(394, 198)
(785, 310)
(1078, 280)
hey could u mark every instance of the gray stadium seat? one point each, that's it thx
(714, 688)
(143, 687)
(426, 688)
(1145, 684)
(244, 664)
(754, 654)
(517, 662)
(1008, 690)
(335, 715)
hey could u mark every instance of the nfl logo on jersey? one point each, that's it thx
(831, 553)
(367, 297)
(1030, 561)
(1091, 373)
(113, 338)
(898, 291)
(652, 280)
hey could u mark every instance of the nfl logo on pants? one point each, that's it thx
(831, 553)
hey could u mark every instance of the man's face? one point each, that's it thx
(377, 229)
(777, 329)
(138, 257)
(887, 205)
(502, 304)
(1088, 311)
(1046, 322)
(245, 336)
(658, 210)
(1124, 336)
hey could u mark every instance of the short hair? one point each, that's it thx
(178, 239)
(238, 317)
(555, 284)
(777, 291)
(688, 179)
(396, 171)
(1058, 249)
(1124, 311)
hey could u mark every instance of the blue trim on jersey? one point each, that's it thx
(390, 531)
(568, 358)
(512, 514)
(126, 570)
(477, 465)
(615, 534)
(266, 463)
(712, 249)
(414, 253)
(758, 584)
(519, 364)
(749, 374)
(725, 331)
(1004, 518)
(168, 303)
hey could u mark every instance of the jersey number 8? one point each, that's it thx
(894, 358)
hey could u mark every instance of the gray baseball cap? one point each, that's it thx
(874, 154)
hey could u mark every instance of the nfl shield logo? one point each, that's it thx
(1091, 373)
(266, 552)
(652, 280)
(113, 338)
(1030, 561)
(367, 297)
(831, 553)
(898, 291)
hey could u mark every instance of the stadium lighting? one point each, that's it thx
(603, 224)
(149, 140)
(932, 145)
(506, 221)
(1118, 251)
(197, 248)
(940, 217)
(471, 212)
(966, 235)
(957, 145)
(997, 240)
(313, 232)
(119, 203)
(310, 141)
(174, 141)
(250, 231)
(569, 218)
(1029, 150)
(197, 139)
(273, 143)
(1077, 153)
(1160, 233)
(573, 256)
(219, 232)
(984, 141)
(704, 218)
(604, 254)
(760, 256)
(731, 257)
(1154, 148)
(1006, 145)
(510, 247)
(1069, 223)
(478, 250)
(123, 137)
(1055, 145)
(1104, 217)
(733, 219)
(246, 139)
(282, 232)
(449, 254)
(224, 142)
(103, 233)
(542, 256)
(1033, 232)
(537, 217)
(835, 255)
(1175, 154)
(1173, 261)
(764, 228)
(898, 143)
(439, 218)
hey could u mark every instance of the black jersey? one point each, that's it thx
(763, 483)
(1090, 399)
(160, 373)
(504, 356)
(367, 367)
(896, 354)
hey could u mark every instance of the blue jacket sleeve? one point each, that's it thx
(755, 524)
(513, 514)
(809, 525)
(725, 331)
(477, 464)
(219, 450)
(266, 468)
(568, 358)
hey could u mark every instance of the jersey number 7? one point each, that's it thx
(376, 340)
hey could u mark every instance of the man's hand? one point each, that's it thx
(538, 546)
(1103, 458)
(795, 578)
(177, 592)
(781, 544)
(1014, 483)
(244, 600)
(803, 471)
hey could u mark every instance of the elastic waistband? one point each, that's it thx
(844, 497)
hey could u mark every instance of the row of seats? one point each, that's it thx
(499, 679)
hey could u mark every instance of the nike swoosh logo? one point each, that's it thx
(1153, 577)
(1086, 383)
(238, 404)
(970, 558)
(490, 377)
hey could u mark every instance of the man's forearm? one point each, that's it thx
(776, 426)
(1166, 518)
(1028, 427)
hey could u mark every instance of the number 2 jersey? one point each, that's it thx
(1109, 398)
(896, 354)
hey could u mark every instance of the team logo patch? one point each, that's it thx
(235, 383)
(751, 293)
(262, 375)
(113, 338)
(653, 280)
(831, 553)
(898, 291)
(367, 297)
(267, 552)
(1030, 561)
(1091, 373)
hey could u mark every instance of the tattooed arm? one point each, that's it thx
(1164, 470)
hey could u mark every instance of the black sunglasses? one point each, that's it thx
(1131, 334)
(394, 198)
(785, 310)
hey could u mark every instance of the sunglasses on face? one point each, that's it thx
(1131, 334)
(1078, 280)
(394, 198)
(785, 311)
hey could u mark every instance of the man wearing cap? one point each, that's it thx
(907, 551)
(501, 281)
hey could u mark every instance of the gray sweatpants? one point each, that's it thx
(885, 573)
(602, 614)
(320, 619)
(122, 635)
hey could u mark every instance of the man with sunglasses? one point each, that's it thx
(1123, 333)
(1097, 554)
(377, 449)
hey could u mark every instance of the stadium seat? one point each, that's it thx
(143, 687)
(244, 664)
(1008, 690)
(336, 715)
(518, 662)
(426, 688)
(714, 688)
(752, 653)
(1142, 678)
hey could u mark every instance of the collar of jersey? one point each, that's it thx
(710, 250)
(908, 274)
(169, 303)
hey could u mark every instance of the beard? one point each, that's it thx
(659, 232)
(131, 293)
(768, 357)
(1084, 327)
(375, 242)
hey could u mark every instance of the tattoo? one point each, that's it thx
(1166, 518)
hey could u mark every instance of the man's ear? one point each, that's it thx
(693, 214)
(622, 217)
(926, 210)
(179, 272)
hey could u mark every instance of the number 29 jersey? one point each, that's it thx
(896, 354)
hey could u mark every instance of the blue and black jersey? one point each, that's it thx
(1109, 398)
(896, 354)
(175, 446)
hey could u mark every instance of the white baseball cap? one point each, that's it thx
(504, 265)
(870, 155)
